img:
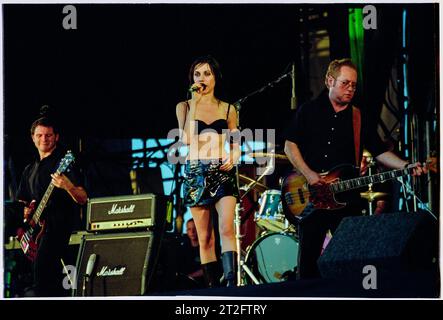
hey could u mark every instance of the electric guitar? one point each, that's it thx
(297, 193)
(34, 227)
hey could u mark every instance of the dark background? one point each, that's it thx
(121, 73)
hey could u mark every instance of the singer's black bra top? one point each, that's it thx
(217, 125)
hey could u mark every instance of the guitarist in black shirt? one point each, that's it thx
(59, 214)
(325, 133)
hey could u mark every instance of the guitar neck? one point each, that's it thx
(367, 180)
(42, 205)
(64, 164)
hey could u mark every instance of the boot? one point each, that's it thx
(211, 274)
(229, 260)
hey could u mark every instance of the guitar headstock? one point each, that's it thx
(66, 162)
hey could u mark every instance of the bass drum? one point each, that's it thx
(273, 257)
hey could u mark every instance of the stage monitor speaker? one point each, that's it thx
(391, 242)
(123, 266)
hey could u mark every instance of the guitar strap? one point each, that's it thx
(356, 122)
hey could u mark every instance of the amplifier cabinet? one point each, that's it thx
(123, 264)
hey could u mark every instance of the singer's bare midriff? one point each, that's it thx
(207, 145)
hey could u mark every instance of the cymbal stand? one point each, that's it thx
(371, 163)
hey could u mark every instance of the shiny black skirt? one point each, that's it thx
(204, 183)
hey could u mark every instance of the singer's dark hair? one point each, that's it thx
(46, 120)
(213, 64)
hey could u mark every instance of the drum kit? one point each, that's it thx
(273, 256)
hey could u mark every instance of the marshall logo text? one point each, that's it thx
(118, 210)
(106, 272)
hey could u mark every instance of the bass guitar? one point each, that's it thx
(34, 227)
(297, 193)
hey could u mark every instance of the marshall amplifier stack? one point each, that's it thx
(145, 211)
(119, 255)
(118, 264)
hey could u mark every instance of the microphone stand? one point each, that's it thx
(268, 85)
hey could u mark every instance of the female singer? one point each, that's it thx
(210, 180)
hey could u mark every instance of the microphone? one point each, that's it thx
(196, 89)
(90, 265)
(293, 97)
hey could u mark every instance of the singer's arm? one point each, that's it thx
(294, 155)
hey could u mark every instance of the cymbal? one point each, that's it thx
(258, 186)
(268, 155)
(372, 195)
(366, 153)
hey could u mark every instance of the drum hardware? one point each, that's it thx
(253, 183)
(256, 185)
(253, 205)
(278, 157)
(289, 228)
(368, 195)
(237, 223)
(372, 195)
(270, 215)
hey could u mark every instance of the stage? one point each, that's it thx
(422, 284)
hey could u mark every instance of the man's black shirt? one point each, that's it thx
(326, 138)
(61, 210)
